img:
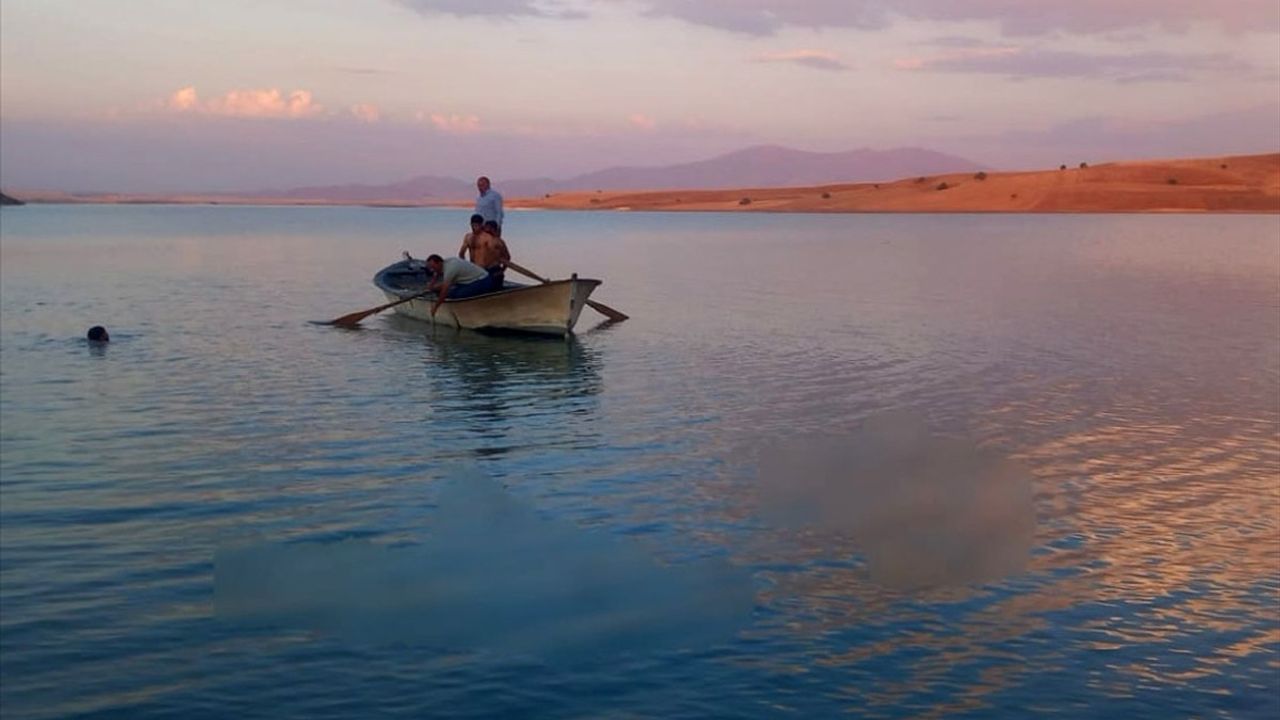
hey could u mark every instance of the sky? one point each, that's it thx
(185, 96)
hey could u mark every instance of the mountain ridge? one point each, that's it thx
(760, 165)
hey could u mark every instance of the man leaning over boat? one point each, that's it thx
(454, 278)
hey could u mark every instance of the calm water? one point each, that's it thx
(1076, 510)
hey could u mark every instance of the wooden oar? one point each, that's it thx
(353, 319)
(601, 308)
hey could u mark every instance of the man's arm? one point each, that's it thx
(444, 293)
(466, 244)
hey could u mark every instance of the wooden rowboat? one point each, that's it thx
(551, 308)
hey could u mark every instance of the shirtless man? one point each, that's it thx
(469, 240)
(490, 252)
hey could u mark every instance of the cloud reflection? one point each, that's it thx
(925, 511)
(492, 576)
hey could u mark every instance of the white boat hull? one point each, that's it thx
(548, 309)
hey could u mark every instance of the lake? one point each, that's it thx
(878, 465)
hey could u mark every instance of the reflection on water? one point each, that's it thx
(1128, 368)
(496, 386)
(484, 580)
(924, 511)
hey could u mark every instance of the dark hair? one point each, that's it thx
(491, 224)
(97, 333)
(434, 257)
(477, 218)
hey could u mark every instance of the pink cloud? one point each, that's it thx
(955, 57)
(1015, 17)
(366, 112)
(642, 121)
(257, 103)
(184, 99)
(819, 59)
(451, 123)
(1016, 62)
(494, 8)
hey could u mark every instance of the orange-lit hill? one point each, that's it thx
(1246, 183)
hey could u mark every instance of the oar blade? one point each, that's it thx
(607, 311)
(352, 319)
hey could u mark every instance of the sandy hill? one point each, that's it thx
(1220, 184)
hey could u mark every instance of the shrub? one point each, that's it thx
(876, 186)
(826, 196)
(1084, 165)
(1173, 181)
(1223, 166)
(595, 201)
(547, 195)
(1062, 167)
(921, 179)
(942, 186)
(745, 201)
(1013, 196)
(980, 175)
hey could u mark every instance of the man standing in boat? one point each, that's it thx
(489, 203)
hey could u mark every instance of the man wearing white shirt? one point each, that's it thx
(489, 204)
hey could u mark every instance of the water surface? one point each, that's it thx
(1127, 366)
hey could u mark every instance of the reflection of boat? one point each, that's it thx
(500, 391)
(551, 308)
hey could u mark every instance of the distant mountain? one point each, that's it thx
(763, 166)
(416, 190)
(6, 200)
(773, 166)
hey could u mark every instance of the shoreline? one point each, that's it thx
(1242, 184)
(1231, 184)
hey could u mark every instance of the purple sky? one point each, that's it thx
(146, 95)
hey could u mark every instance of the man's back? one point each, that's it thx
(488, 250)
(458, 271)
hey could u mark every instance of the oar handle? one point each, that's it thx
(527, 272)
(600, 307)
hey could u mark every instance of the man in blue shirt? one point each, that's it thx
(489, 204)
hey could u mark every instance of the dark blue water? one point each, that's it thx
(887, 466)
